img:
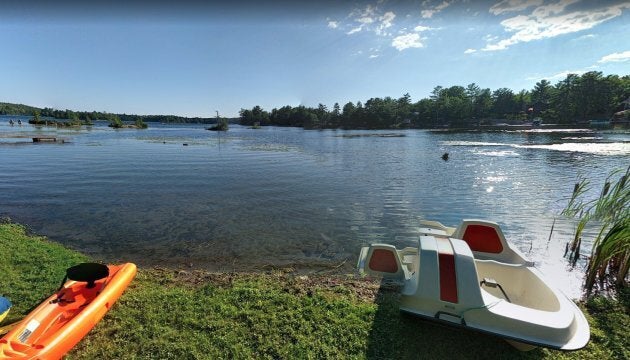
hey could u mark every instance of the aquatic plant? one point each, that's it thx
(610, 256)
(115, 123)
(221, 125)
(140, 124)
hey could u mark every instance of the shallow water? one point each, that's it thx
(256, 198)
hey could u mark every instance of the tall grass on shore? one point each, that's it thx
(610, 256)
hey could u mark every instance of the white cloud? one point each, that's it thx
(616, 57)
(585, 37)
(407, 41)
(470, 51)
(359, 13)
(378, 19)
(506, 6)
(550, 21)
(428, 13)
(410, 40)
(563, 74)
(355, 30)
(370, 18)
(365, 20)
(386, 22)
(421, 28)
(553, 8)
(490, 37)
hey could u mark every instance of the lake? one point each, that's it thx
(256, 199)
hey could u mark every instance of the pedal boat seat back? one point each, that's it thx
(486, 240)
(386, 261)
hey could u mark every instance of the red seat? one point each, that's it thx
(483, 238)
(384, 261)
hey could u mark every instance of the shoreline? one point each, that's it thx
(175, 313)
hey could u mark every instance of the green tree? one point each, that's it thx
(594, 96)
(541, 96)
(259, 115)
(522, 101)
(322, 115)
(504, 104)
(564, 99)
(348, 114)
(140, 124)
(74, 118)
(115, 122)
(246, 117)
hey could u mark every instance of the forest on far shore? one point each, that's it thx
(575, 100)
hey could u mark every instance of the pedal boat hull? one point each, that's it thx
(493, 289)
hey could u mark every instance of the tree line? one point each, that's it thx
(89, 116)
(576, 99)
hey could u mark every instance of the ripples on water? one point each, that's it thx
(251, 199)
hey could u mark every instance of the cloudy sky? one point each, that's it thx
(191, 58)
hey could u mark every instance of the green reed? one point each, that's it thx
(610, 256)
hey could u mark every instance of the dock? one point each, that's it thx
(44, 139)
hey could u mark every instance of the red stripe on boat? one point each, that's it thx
(384, 261)
(483, 238)
(448, 276)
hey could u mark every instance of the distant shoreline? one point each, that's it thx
(498, 127)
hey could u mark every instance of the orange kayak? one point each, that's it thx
(60, 322)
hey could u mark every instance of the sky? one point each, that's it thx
(192, 58)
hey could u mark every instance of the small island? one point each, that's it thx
(116, 123)
(73, 121)
(221, 125)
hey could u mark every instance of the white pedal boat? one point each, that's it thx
(471, 277)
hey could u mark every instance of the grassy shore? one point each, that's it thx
(178, 314)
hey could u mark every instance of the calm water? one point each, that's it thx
(253, 199)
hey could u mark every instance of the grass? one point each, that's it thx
(31, 268)
(176, 314)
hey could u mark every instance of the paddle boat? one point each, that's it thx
(62, 320)
(471, 277)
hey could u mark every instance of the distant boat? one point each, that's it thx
(471, 277)
(600, 123)
(537, 122)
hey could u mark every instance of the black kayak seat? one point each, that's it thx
(87, 272)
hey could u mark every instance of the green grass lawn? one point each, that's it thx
(175, 314)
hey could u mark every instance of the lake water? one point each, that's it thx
(254, 199)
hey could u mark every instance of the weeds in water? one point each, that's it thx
(610, 256)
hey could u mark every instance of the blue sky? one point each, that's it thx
(191, 58)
